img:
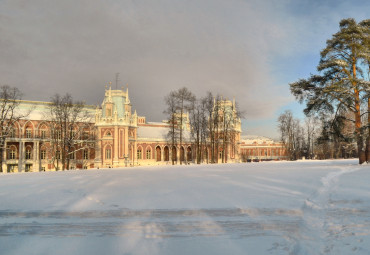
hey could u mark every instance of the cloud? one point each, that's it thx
(227, 47)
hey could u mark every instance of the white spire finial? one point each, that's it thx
(127, 97)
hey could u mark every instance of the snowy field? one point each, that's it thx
(305, 207)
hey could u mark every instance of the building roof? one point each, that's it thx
(255, 139)
(40, 110)
(156, 131)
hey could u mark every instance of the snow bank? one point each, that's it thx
(304, 207)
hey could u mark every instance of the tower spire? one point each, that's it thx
(127, 97)
(117, 80)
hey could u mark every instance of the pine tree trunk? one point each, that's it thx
(367, 150)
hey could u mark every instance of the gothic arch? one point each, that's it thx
(108, 153)
(182, 153)
(158, 152)
(41, 127)
(108, 132)
(139, 152)
(166, 151)
(12, 152)
(148, 152)
(28, 152)
(189, 157)
(174, 153)
(28, 125)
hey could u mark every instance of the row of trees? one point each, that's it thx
(213, 124)
(343, 83)
(67, 125)
(322, 136)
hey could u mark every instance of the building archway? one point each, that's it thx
(158, 153)
(174, 153)
(139, 152)
(189, 157)
(166, 154)
(182, 154)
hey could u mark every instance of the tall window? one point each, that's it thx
(58, 134)
(57, 154)
(86, 154)
(28, 133)
(72, 155)
(43, 134)
(12, 153)
(28, 153)
(148, 154)
(43, 154)
(12, 133)
(108, 154)
(139, 154)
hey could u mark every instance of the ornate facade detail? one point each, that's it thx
(122, 138)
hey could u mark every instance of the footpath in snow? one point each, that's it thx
(305, 207)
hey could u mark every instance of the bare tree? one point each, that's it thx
(198, 122)
(212, 118)
(69, 132)
(173, 133)
(9, 114)
(184, 99)
(229, 118)
(291, 135)
(312, 125)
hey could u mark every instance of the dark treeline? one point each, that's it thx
(318, 136)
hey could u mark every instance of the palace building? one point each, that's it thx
(114, 136)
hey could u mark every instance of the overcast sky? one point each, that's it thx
(247, 49)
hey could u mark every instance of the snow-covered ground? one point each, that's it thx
(305, 207)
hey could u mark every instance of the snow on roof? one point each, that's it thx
(250, 139)
(152, 133)
(40, 110)
(156, 131)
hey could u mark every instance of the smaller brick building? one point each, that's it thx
(258, 148)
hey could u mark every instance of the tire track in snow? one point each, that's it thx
(316, 236)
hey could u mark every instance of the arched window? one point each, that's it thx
(86, 154)
(43, 154)
(43, 130)
(108, 153)
(166, 154)
(159, 153)
(148, 153)
(139, 153)
(58, 134)
(12, 153)
(28, 153)
(28, 132)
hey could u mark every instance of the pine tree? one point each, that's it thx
(341, 83)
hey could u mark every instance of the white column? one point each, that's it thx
(21, 154)
(4, 165)
(36, 156)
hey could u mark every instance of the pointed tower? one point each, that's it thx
(116, 125)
